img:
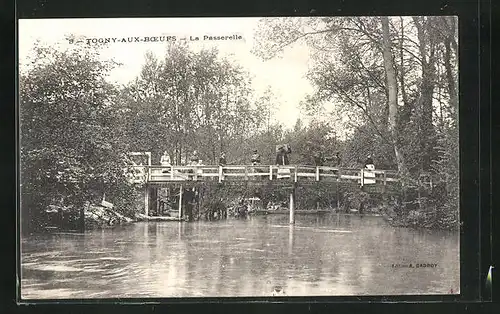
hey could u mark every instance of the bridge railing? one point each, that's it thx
(294, 173)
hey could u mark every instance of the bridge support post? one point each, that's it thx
(180, 202)
(337, 194)
(292, 207)
(146, 201)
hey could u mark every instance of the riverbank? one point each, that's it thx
(103, 217)
(432, 219)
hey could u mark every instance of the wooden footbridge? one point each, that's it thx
(155, 176)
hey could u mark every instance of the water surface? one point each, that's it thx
(329, 255)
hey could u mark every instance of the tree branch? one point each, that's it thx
(280, 47)
(363, 109)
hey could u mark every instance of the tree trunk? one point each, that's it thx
(452, 90)
(392, 87)
(426, 127)
(405, 114)
(81, 224)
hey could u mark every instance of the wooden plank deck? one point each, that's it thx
(165, 175)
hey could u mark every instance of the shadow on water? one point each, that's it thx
(328, 255)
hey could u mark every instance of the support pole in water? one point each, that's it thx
(82, 218)
(180, 203)
(146, 201)
(292, 208)
(337, 194)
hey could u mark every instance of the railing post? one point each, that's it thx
(362, 176)
(385, 178)
(337, 194)
(172, 173)
(317, 173)
(295, 173)
(145, 174)
(220, 174)
(270, 172)
(149, 167)
(246, 172)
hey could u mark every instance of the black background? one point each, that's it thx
(477, 126)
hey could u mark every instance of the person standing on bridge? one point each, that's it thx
(282, 160)
(165, 161)
(193, 161)
(369, 163)
(338, 159)
(282, 152)
(194, 158)
(318, 158)
(222, 159)
(255, 158)
(368, 174)
(199, 171)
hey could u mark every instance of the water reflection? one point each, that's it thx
(331, 255)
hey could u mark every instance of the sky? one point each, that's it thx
(285, 74)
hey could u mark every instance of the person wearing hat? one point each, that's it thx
(282, 160)
(369, 175)
(255, 158)
(318, 158)
(282, 152)
(369, 163)
(338, 159)
(222, 159)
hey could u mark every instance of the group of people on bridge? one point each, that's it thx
(282, 152)
(282, 158)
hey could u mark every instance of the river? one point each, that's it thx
(329, 255)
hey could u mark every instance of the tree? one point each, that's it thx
(377, 71)
(266, 106)
(70, 146)
(307, 141)
(392, 93)
(191, 101)
(392, 81)
(343, 48)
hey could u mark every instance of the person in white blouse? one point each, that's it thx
(165, 161)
